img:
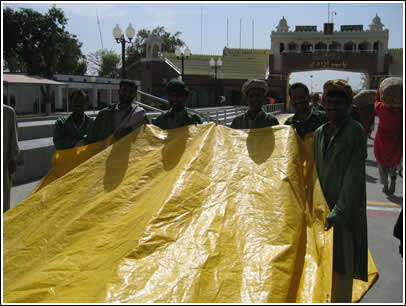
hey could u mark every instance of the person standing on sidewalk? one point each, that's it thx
(306, 118)
(340, 154)
(10, 152)
(388, 144)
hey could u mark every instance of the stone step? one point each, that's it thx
(34, 160)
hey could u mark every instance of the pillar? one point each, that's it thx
(93, 98)
(109, 96)
(58, 98)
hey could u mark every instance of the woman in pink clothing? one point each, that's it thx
(388, 146)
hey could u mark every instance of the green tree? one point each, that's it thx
(136, 50)
(81, 67)
(38, 44)
(104, 63)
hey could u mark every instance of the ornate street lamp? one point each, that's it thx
(182, 55)
(311, 84)
(216, 65)
(119, 36)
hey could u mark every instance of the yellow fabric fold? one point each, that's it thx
(197, 214)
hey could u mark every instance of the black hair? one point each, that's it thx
(297, 85)
(128, 82)
(79, 94)
(338, 93)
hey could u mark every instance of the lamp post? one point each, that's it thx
(119, 36)
(216, 65)
(182, 56)
(332, 16)
(311, 84)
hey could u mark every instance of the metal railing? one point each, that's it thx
(220, 115)
(166, 104)
(225, 116)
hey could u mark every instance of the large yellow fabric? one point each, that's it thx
(197, 214)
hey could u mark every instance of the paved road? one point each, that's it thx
(383, 211)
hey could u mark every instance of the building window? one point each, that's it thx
(155, 51)
(364, 46)
(376, 46)
(292, 46)
(306, 47)
(349, 47)
(281, 48)
(320, 46)
(335, 46)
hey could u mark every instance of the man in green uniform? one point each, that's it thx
(340, 153)
(118, 119)
(71, 131)
(306, 118)
(255, 92)
(177, 116)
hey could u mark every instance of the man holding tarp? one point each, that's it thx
(255, 92)
(177, 116)
(118, 119)
(340, 153)
(71, 131)
(306, 118)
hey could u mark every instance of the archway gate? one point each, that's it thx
(351, 49)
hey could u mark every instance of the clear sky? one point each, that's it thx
(203, 25)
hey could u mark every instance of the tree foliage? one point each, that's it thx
(39, 44)
(137, 50)
(104, 63)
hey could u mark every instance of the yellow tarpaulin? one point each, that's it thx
(198, 214)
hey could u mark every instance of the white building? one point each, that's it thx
(23, 92)
(350, 38)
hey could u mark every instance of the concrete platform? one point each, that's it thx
(34, 160)
(35, 129)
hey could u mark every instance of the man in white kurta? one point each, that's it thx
(10, 152)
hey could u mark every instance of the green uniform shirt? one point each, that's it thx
(67, 135)
(105, 125)
(263, 119)
(340, 162)
(315, 119)
(166, 122)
